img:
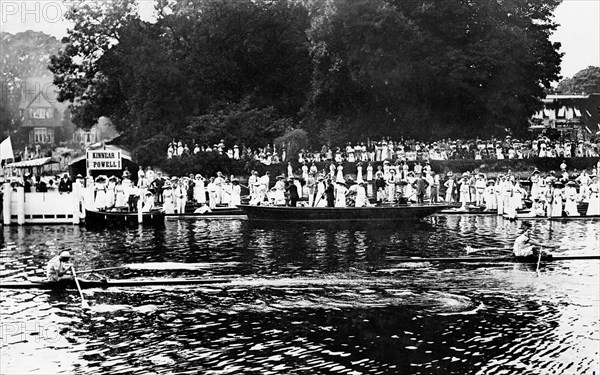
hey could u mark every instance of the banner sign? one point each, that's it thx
(103, 159)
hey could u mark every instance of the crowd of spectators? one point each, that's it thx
(404, 150)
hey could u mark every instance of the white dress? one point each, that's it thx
(120, 196)
(571, 201)
(199, 191)
(359, 174)
(100, 200)
(361, 196)
(340, 174)
(557, 203)
(340, 196)
(236, 192)
(594, 201)
(369, 172)
(168, 205)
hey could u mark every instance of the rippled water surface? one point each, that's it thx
(307, 299)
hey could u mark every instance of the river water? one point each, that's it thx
(307, 299)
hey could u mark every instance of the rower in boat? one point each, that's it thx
(524, 247)
(59, 268)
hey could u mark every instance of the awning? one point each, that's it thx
(32, 163)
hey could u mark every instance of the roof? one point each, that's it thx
(32, 163)
(551, 98)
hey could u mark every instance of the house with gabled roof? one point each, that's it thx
(46, 118)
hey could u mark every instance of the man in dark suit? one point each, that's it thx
(292, 193)
(65, 185)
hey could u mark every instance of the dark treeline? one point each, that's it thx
(248, 71)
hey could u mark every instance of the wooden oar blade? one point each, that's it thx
(471, 250)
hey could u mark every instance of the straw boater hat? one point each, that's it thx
(450, 174)
(572, 183)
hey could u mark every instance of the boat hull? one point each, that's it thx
(88, 284)
(339, 214)
(108, 218)
(216, 212)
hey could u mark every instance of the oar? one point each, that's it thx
(84, 303)
(102, 269)
(170, 266)
(537, 268)
(471, 250)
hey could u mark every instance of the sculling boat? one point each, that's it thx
(339, 214)
(120, 218)
(503, 258)
(87, 284)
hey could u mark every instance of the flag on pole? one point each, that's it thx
(6, 150)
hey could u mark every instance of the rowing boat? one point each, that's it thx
(88, 284)
(121, 218)
(282, 214)
(503, 258)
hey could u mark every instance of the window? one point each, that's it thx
(41, 113)
(42, 135)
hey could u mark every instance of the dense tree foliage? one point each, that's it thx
(248, 71)
(586, 81)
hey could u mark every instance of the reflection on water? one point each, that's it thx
(308, 299)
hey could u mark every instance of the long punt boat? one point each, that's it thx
(87, 284)
(340, 214)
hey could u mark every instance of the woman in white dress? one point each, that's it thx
(571, 199)
(489, 196)
(499, 192)
(110, 192)
(100, 188)
(369, 172)
(450, 186)
(557, 200)
(168, 205)
(535, 185)
(340, 194)
(304, 172)
(120, 200)
(340, 173)
(359, 173)
(464, 197)
(236, 193)
(594, 201)
(584, 181)
(279, 191)
(199, 190)
(518, 194)
(391, 185)
(361, 195)
(212, 193)
(226, 191)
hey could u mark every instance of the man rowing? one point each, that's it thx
(524, 246)
(59, 267)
